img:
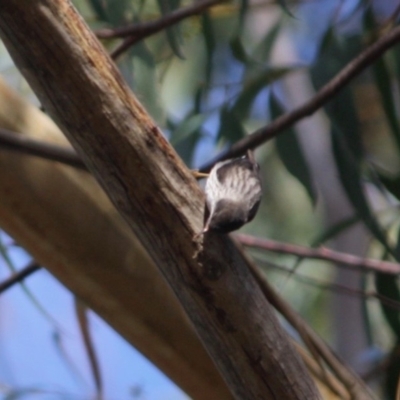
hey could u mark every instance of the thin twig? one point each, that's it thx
(326, 93)
(83, 322)
(136, 32)
(19, 276)
(145, 29)
(321, 253)
(24, 144)
(334, 287)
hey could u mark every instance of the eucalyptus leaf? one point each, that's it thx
(209, 41)
(99, 8)
(263, 50)
(254, 85)
(186, 128)
(384, 84)
(350, 178)
(386, 285)
(340, 109)
(238, 50)
(291, 154)
(230, 128)
(173, 33)
(392, 184)
(243, 9)
(145, 81)
(335, 230)
(285, 7)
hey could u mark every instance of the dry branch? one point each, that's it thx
(321, 253)
(19, 276)
(150, 186)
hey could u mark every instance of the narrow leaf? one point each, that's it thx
(350, 178)
(173, 33)
(291, 154)
(384, 83)
(263, 50)
(334, 230)
(253, 86)
(238, 50)
(186, 128)
(230, 127)
(209, 41)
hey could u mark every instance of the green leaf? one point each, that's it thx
(230, 127)
(186, 147)
(99, 9)
(383, 82)
(285, 7)
(386, 285)
(113, 12)
(291, 154)
(238, 50)
(350, 178)
(392, 373)
(334, 230)
(340, 109)
(392, 184)
(253, 86)
(173, 33)
(187, 128)
(244, 6)
(209, 41)
(263, 50)
(140, 71)
(186, 135)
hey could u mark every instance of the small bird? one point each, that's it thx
(233, 194)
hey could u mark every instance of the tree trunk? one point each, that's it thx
(156, 194)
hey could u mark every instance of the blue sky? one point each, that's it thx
(30, 358)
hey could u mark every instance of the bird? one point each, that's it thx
(233, 193)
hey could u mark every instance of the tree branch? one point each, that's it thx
(145, 29)
(26, 145)
(325, 94)
(152, 189)
(19, 276)
(136, 32)
(322, 253)
(334, 287)
(59, 216)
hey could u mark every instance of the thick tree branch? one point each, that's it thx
(322, 253)
(325, 94)
(81, 89)
(65, 221)
(26, 145)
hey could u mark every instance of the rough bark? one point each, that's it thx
(64, 219)
(149, 185)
